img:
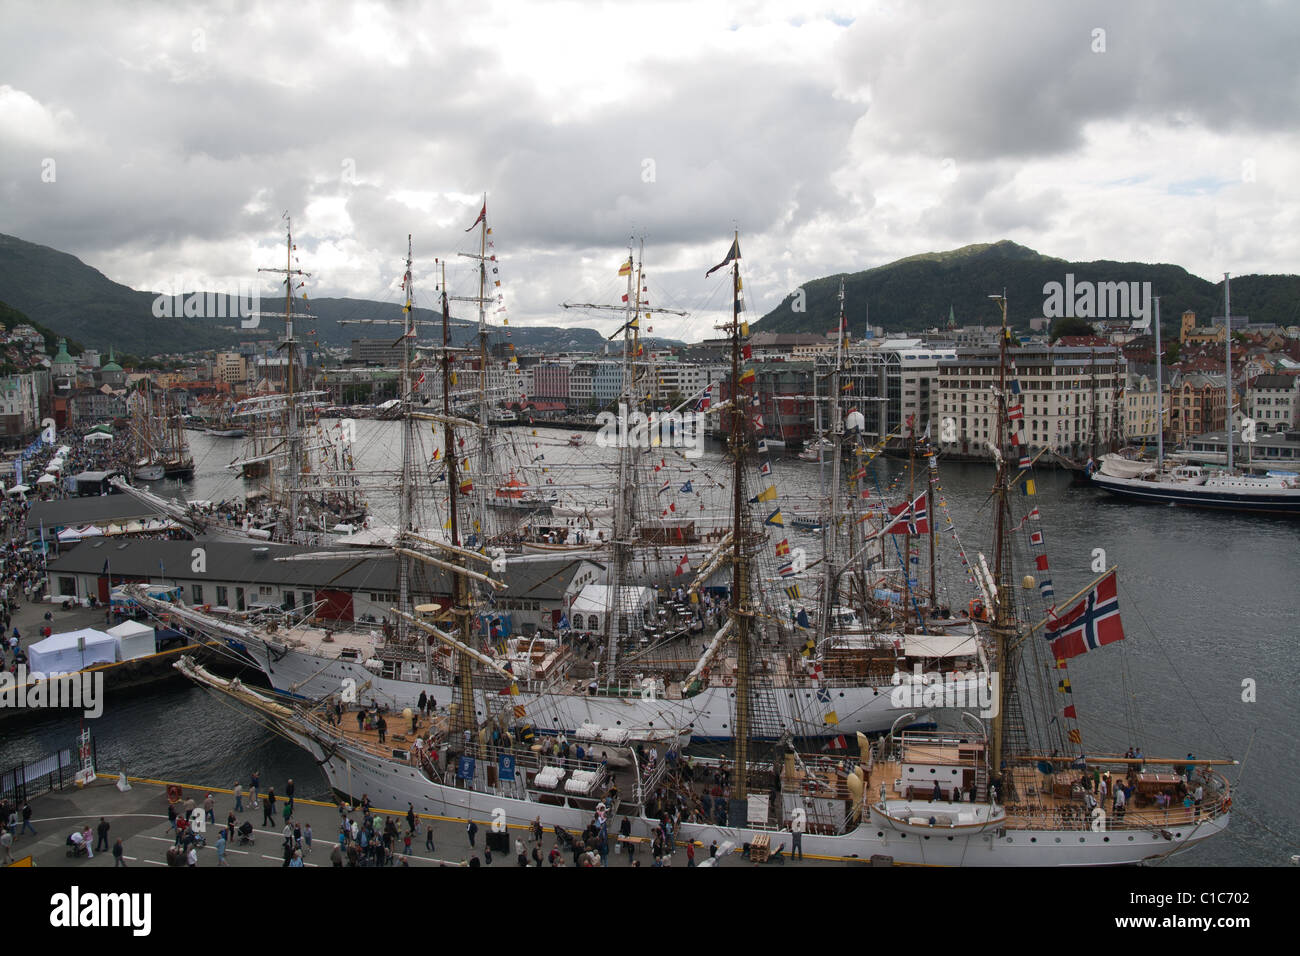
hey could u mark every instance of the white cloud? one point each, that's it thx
(835, 139)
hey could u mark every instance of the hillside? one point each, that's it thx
(916, 293)
(62, 293)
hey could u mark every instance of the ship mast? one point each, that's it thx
(406, 488)
(626, 497)
(741, 615)
(1160, 400)
(836, 430)
(1003, 623)
(460, 597)
(1227, 338)
(289, 345)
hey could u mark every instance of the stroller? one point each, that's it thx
(77, 847)
(564, 836)
(245, 834)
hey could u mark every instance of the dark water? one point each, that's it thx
(1207, 600)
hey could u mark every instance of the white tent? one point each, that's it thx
(63, 450)
(98, 436)
(71, 652)
(134, 640)
(46, 480)
(18, 490)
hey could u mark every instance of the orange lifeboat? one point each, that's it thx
(514, 488)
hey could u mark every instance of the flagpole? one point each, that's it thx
(1088, 587)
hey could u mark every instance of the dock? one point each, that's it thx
(138, 816)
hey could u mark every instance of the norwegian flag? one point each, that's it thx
(837, 743)
(910, 519)
(1092, 623)
(705, 399)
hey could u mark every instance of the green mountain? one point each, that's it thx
(917, 292)
(62, 292)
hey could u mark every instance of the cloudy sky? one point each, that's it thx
(835, 137)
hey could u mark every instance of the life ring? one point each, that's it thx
(727, 682)
(977, 610)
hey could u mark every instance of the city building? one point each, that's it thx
(1070, 397)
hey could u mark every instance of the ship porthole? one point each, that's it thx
(1058, 839)
(949, 839)
(1105, 839)
(880, 834)
(1033, 839)
(1130, 839)
(927, 837)
(1080, 839)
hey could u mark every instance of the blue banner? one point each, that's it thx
(506, 766)
(465, 768)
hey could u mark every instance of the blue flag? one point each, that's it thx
(506, 766)
(687, 487)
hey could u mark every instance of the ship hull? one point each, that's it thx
(1285, 502)
(708, 714)
(391, 784)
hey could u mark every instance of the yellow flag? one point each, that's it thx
(1029, 487)
(832, 718)
(768, 495)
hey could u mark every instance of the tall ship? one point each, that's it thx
(654, 656)
(1194, 486)
(302, 467)
(158, 446)
(1001, 788)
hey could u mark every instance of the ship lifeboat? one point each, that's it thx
(513, 489)
(941, 816)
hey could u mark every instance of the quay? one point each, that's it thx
(138, 816)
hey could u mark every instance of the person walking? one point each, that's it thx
(6, 843)
(221, 849)
(192, 859)
(27, 819)
(118, 854)
(288, 793)
(252, 786)
(101, 840)
(239, 798)
(306, 838)
(410, 817)
(428, 838)
(268, 808)
(210, 809)
(472, 829)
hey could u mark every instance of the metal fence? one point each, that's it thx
(51, 772)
